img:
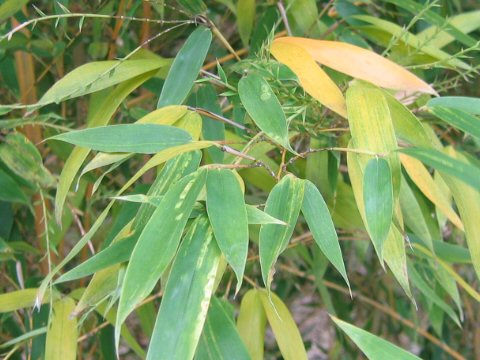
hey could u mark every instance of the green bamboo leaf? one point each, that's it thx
(320, 222)
(372, 127)
(104, 283)
(301, 15)
(468, 173)
(9, 189)
(378, 199)
(257, 216)
(283, 326)
(228, 216)
(133, 138)
(15, 300)
(413, 41)
(470, 105)
(150, 257)
(407, 126)
(101, 111)
(24, 159)
(99, 75)
(466, 22)
(372, 346)
(187, 294)
(62, 333)
(283, 203)
(117, 252)
(264, 108)
(251, 323)
(468, 203)
(245, 19)
(185, 67)
(459, 119)
(430, 294)
(220, 338)
(24, 337)
(435, 19)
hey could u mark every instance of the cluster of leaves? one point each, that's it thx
(127, 220)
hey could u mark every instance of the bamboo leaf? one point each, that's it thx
(187, 294)
(311, 77)
(228, 216)
(470, 105)
(100, 114)
(264, 108)
(257, 216)
(99, 75)
(19, 299)
(424, 181)
(372, 346)
(251, 323)
(468, 204)
(10, 7)
(372, 128)
(459, 119)
(284, 203)
(367, 66)
(133, 138)
(378, 198)
(9, 189)
(468, 173)
(220, 338)
(319, 221)
(437, 37)
(185, 67)
(284, 328)
(245, 19)
(167, 223)
(413, 41)
(430, 294)
(435, 19)
(62, 334)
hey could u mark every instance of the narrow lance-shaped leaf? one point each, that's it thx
(468, 203)
(468, 173)
(367, 66)
(283, 203)
(459, 119)
(430, 294)
(264, 108)
(220, 338)
(251, 323)
(257, 216)
(372, 346)
(311, 77)
(283, 326)
(185, 67)
(99, 114)
(371, 126)
(97, 76)
(134, 138)
(378, 199)
(424, 181)
(245, 19)
(187, 295)
(470, 105)
(321, 225)
(157, 244)
(62, 334)
(228, 216)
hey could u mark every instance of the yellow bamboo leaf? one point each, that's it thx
(311, 76)
(422, 178)
(61, 343)
(361, 64)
